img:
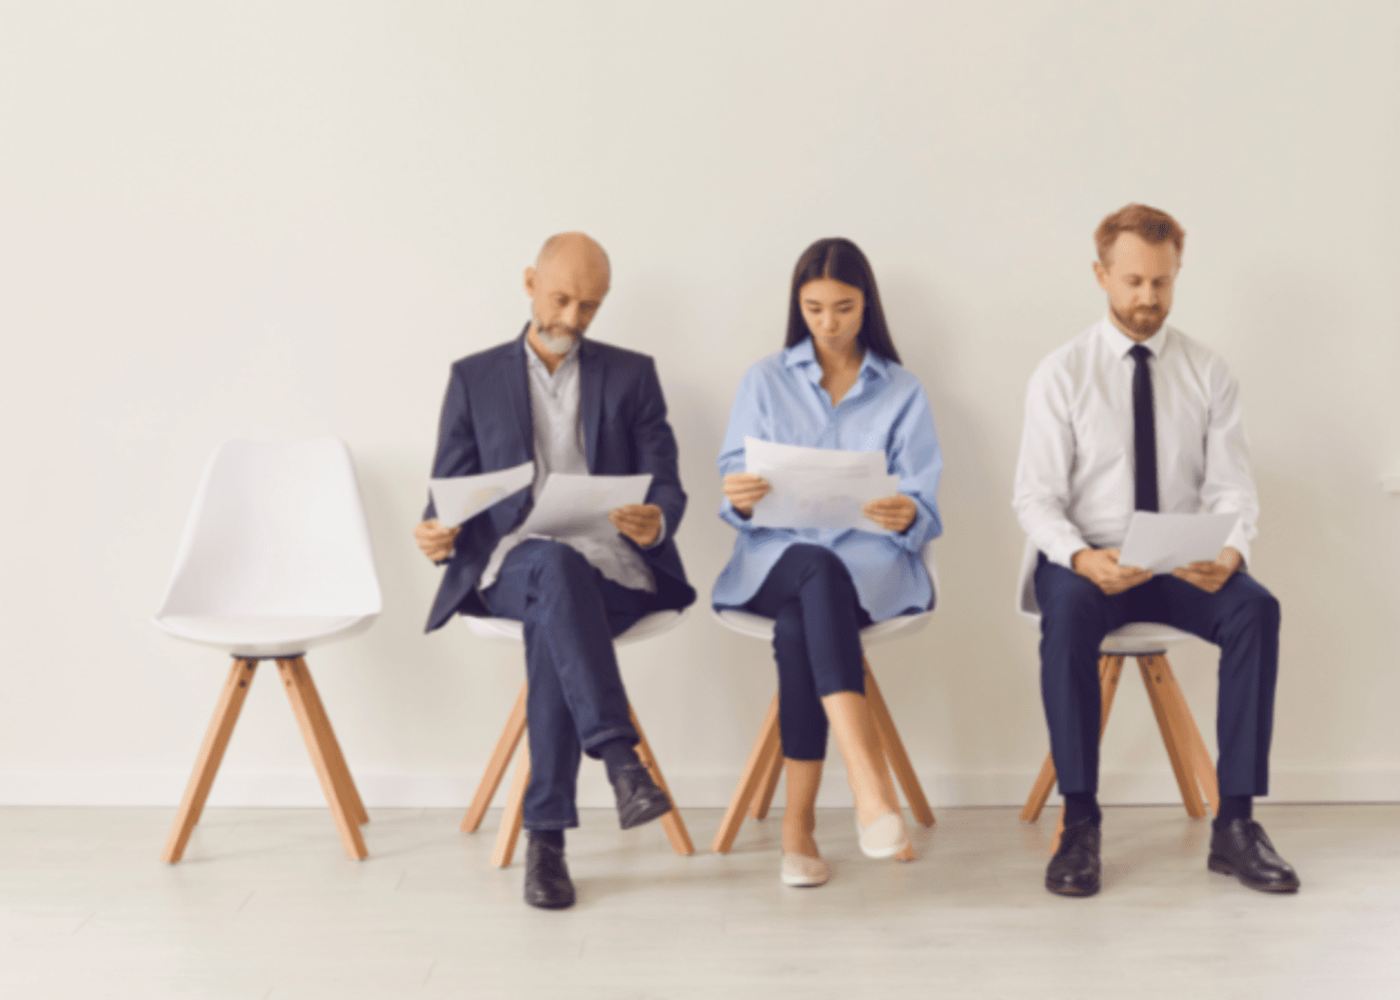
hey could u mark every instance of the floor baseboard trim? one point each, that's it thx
(294, 787)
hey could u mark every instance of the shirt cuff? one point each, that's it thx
(1238, 541)
(1061, 551)
(660, 535)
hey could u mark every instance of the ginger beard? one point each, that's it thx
(1143, 321)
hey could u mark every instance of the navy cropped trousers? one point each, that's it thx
(1242, 618)
(816, 640)
(576, 700)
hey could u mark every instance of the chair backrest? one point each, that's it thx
(276, 529)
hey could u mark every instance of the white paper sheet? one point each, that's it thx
(578, 505)
(817, 487)
(461, 498)
(1164, 542)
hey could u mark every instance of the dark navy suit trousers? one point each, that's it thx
(1242, 618)
(576, 700)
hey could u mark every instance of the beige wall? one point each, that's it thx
(214, 218)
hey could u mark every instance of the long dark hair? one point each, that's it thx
(839, 258)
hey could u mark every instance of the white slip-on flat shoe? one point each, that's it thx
(800, 870)
(883, 838)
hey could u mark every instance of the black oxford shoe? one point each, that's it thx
(639, 800)
(1075, 869)
(547, 883)
(1243, 850)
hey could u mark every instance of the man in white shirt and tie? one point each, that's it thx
(1134, 415)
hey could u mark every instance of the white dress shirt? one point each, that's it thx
(560, 447)
(1075, 478)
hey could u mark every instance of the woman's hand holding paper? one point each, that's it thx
(744, 489)
(894, 513)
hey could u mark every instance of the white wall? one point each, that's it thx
(217, 217)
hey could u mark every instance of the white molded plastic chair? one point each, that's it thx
(275, 559)
(761, 772)
(1147, 642)
(510, 630)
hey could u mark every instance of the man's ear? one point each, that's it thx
(530, 282)
(1101, 273)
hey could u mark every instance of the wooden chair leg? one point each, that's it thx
(496, 767)
(671, 821)
(1156, 680)
(772, 771)
(335, 758)
(895, 753)
(514, 815)
(1189, 738)
(1040, 791)
(211, 754)
(768, 737)
(294, 674)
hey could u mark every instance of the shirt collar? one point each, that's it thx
(803, 353)
(1120, 343)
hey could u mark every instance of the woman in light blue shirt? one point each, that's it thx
(837, 384)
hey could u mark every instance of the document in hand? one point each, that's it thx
(1164, 542)
(569, 506)
(461, 498)
(817, 487)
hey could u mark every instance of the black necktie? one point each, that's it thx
(1144, 433)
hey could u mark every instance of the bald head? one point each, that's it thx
(566, 286)
(573, 248)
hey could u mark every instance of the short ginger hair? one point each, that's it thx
(1152, 224)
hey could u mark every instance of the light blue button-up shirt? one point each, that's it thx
(781, 400)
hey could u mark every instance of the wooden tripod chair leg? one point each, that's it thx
(671, 821)
(514, 815)
(211, 754)
(1110, 672)
(1156, 674)
(895, 753)
(768, 737)
(496, 767)
(1040, 791)
(772, 771)
(335, 759)
(294, 674)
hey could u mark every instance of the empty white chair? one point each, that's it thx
(764, 766)
(513, 818)
(1147, 642)
(275, 559)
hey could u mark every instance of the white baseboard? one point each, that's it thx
(292, 787)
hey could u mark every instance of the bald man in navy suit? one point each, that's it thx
(569, 405)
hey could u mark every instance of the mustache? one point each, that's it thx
(563, 329)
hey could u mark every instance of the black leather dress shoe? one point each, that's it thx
(639, 800)
(1243, 850)
(1075, 869)
(547, 883)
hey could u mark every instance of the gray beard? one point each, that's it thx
(556, 343)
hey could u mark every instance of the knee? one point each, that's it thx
(551, 561)
(821, 564)
(1258, 612)
(1077, 622)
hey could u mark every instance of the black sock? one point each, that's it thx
(617, 754)
(1080, 806)
(554, 838)
(1233, 807)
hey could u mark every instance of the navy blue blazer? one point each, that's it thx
(486, 426)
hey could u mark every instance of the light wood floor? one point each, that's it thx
(267, 907)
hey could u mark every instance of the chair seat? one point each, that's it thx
(758, 627)
(263, 635)
(1141, 639)
(512, 630)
